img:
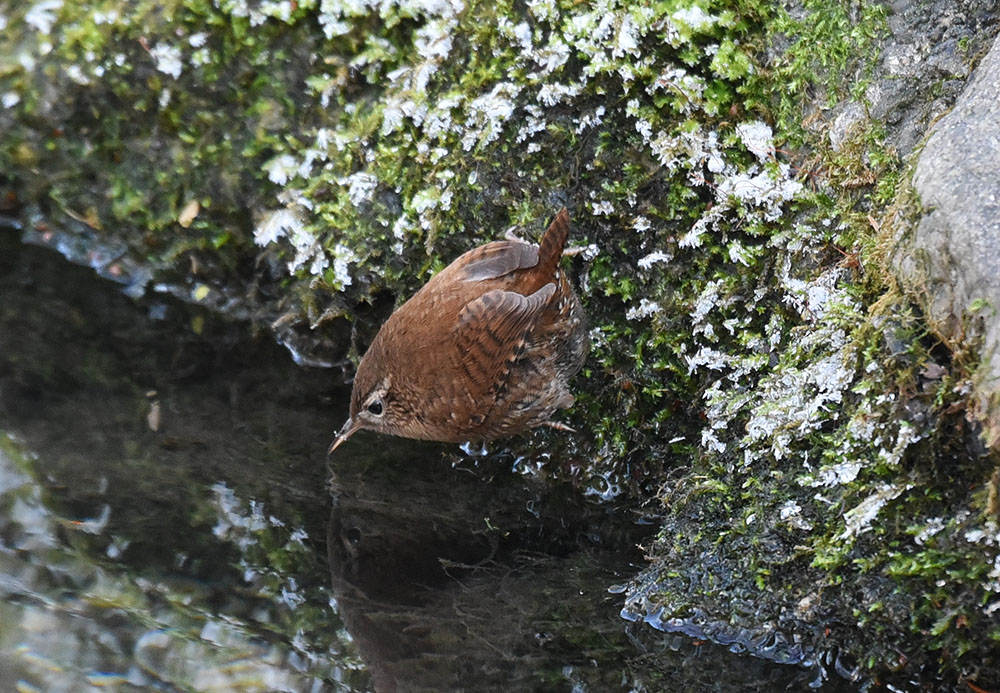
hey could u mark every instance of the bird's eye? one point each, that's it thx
(375, 408)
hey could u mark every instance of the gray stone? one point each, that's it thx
(951, 257)
(845, 124)
(923, 63)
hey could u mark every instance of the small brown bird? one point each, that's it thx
(485, 349)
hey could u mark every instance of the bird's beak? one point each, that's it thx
(346, 431)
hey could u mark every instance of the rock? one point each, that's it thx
(923, 63)
(950, 257)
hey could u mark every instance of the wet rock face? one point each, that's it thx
(923, 65)
(951, 254)
(926, 63)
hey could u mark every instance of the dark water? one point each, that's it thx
(168, 521)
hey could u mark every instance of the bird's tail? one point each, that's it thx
(550, 250)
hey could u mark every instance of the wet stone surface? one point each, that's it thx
(168, 522)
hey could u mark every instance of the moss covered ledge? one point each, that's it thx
(754, 378)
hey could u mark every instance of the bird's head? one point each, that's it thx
(375, 404)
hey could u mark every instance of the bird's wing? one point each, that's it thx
(490, 335)
(496, 259)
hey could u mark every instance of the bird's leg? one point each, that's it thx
(511, 235)
(572, 250)
(559, 426)
(568, 251)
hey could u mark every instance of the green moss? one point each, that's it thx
(819, 45)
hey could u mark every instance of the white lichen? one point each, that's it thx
(645, 309)
(934, 526)
(763, 190)
(288, 224)
(281, 168)
(791, 514)
(640, 224)
(907, 436)
(552, 93)
(342, 257)
(543, 9)
(859, 518)
(604, 207)
(360, 187)
(275, 224)
(707, 300)
(42, 15)
(695, 18)
(487, 115)
(627, 42)
(707, 357)
(653, 258)
(757, 138)
(168, 59)
(843, 472)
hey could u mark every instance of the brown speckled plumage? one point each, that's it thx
(485, 349)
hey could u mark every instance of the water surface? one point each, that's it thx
(169, 521)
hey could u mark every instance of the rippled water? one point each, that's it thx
(168, 521)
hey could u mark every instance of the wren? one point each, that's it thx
(485, 349)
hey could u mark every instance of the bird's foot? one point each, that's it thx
(559, 426)
(569, 251)
(511, 235)
(574, 250)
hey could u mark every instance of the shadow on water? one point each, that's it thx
(168, 521)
